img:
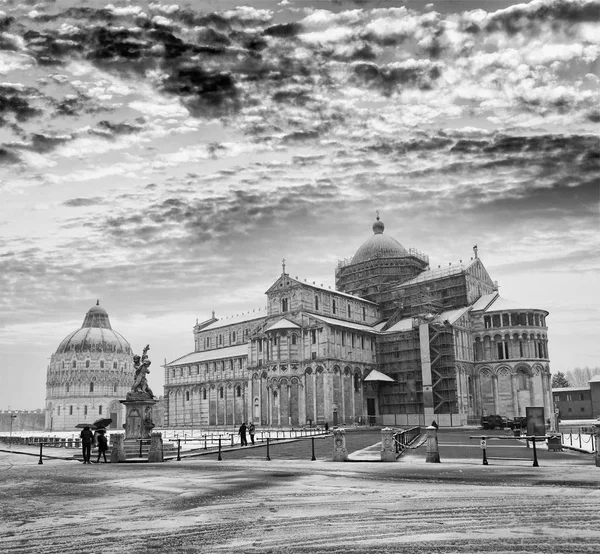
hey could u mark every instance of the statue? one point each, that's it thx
(140, 383)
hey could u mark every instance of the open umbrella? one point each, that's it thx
(101, 423)
(82, 425)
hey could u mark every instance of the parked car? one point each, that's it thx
(518, 423)
(493, 422)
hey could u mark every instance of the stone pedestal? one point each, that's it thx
(433, 451)
(156, 448)
(138, 423)
(117, 453)
(340, 454)
(597, 444)
(388, 446)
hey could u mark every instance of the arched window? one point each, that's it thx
(294, 339)
(58, 411)
(187, 395)
(203, 394)
(220, 339)
(100, 410)
(221, 392)
(316, 302)
(284, 304)
(115, 365)
(233, 336)
(333, 306)
(68, 387)
(356, 382)
(85, 410)
(364, 313)
(240, 363)
(114, 388)
(92, 386)
(74, 364)
(239, 391)
(87, 364)
(173, 372)
(70, 410)
(349, 311)
(63, 364)
(101, 364)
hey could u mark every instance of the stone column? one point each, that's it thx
(515, 394)
(495, 392)
(302, 400)
(388, 446)
(340, 454)
(155, 453)
(433, 451)
(117, 454)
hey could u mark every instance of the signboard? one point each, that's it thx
(483, 443)
(536, 423)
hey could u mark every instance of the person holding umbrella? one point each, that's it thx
(102, 443)
(87, 439)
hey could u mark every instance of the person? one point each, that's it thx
(252, 431)
(87, 439)
(102, 443)
(242, 434)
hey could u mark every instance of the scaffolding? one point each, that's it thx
(443, 370)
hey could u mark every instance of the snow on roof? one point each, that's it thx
(595, 379)
(378, 376)
(247, 317)
(438, 273)
(453, 315)
(332, 291)
(342, 323)
(569, 389)
(405, 324)
(483, 302)
(283, 324)
(214, 354)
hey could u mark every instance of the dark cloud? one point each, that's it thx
(284, 30)
(517, 18)
(15, 101)
(79, 202)
(8, 156)
(389, 78)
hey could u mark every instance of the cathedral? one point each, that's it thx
(91, 370)
(395, 343)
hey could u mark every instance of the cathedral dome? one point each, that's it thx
(379, 246)
(96, 334)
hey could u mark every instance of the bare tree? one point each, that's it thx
(580, 376)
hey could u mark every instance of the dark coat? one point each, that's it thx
(87, 437)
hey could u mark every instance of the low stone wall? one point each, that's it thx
(24, 421)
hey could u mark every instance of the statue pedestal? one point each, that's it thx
(138, 423)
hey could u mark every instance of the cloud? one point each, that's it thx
(82, 202)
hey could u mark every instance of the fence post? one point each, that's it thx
(597, 425)
(40, 462)
(219, 457)
(268, 456)
(340, 453)
(535, 460)
(388, 452)
(313, 449)
(179, 450)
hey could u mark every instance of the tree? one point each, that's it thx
(579, 377)
(559, 381)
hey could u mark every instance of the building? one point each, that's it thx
(91, 370)
(395, 343)
(578, 402)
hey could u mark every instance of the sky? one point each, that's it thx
(164, 158)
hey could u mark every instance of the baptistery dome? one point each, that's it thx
(88, 374)
(379, 246)
(96, 334)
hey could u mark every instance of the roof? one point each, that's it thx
(495, 303)
(214, 354)
(405, 324)
(378, 376)
(342, 323)
(569, 389)
(379, 246)
(330, 290)
(439, 273)
(236, 320)
(595, 379)
(483, 301)
(452, 315)
(283, 324)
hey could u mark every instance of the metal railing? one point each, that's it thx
(405, 437)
